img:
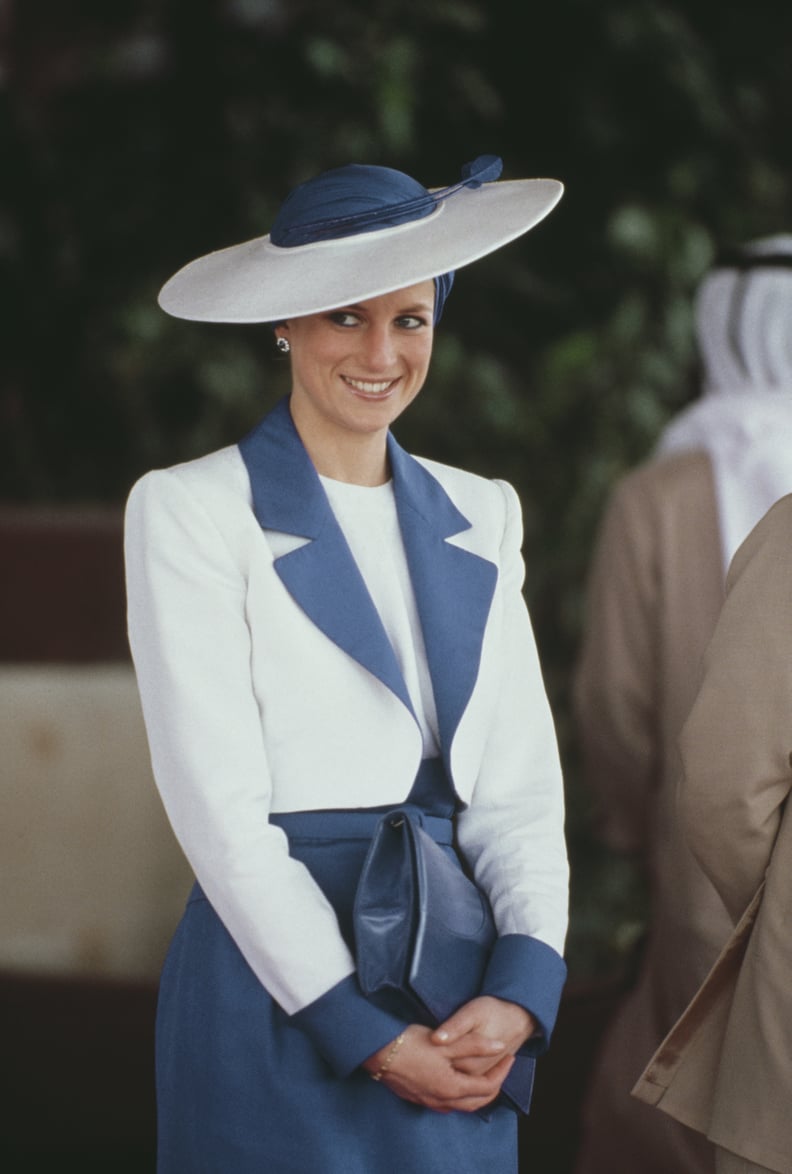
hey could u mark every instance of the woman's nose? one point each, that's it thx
(379, 348)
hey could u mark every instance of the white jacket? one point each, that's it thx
(268, 685)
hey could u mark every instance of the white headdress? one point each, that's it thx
(744, 416)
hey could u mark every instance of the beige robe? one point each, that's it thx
(655, 592)
(726, 1067)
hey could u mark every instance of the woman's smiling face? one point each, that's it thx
(356, 368)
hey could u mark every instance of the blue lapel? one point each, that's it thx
(453, 588)
(321, 576)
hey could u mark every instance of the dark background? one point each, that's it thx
(138, 134)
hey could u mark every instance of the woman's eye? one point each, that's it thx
(344, 318)
(410, 322)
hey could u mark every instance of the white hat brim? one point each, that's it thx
(260, 282)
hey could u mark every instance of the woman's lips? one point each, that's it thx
(369, 386)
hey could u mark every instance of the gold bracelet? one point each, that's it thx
(386, 1063)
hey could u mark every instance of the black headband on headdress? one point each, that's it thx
(742, 259)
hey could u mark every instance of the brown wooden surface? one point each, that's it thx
(77, 1088)
(62, 593)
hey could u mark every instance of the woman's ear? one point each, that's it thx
(281, 337)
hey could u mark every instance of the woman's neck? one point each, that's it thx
(359, 459)
(357, 466)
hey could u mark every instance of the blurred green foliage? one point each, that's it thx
(138, 134)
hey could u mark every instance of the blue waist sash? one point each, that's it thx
(355, 825)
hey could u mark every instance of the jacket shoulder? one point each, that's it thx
(678, 477)
(470, 490)
(208, 478)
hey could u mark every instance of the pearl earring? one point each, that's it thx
(283, 345)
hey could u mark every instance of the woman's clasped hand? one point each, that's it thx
(461, 1064)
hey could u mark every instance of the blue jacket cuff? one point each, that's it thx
(528, 972)
(346, 1027)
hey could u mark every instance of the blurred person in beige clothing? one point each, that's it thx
(655, 592)
(726, 1067)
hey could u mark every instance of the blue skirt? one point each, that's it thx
(241, 1090)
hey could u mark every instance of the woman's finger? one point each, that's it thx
(460, 1023)
(474, 1045)
(475, 1091)
(477, 1065)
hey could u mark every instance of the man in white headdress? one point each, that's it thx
(655, 591)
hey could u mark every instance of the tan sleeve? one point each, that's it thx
(737, 741)
(616, 680)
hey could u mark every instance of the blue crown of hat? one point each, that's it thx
(346, 201)
(358, 198)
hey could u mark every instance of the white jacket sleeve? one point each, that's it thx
(513, 831)
(191, 648)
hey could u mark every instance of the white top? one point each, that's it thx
(368, 518)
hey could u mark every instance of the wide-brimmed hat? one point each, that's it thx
(356, 232)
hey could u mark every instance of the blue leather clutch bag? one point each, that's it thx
(423, 928)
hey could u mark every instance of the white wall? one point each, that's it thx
(92, 881)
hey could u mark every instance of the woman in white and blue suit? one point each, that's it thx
(325, 627)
